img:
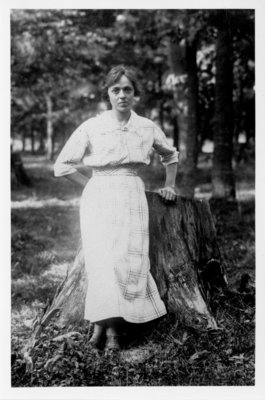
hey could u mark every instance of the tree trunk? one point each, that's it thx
(23, 140)
(41, 148)
(222, 173)
(185, 263)
(18, 173)
(33, 134)
(49, 117)
(175, 132)
(188, 180)
(161, 99)
(177, 63)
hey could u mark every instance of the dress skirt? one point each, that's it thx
(115, 236)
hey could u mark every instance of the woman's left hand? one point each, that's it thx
(167, 193)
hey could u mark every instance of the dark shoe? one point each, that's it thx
(112, 343)
(95, 342)
(98, 336)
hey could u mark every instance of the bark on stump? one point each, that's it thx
(185, 263)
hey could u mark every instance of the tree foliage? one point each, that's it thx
(59, 59)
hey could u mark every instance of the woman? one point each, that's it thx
(113, 210)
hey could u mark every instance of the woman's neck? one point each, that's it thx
(121, 117)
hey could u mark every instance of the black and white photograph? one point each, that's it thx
(132, 187)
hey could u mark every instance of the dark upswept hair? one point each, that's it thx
(115, 74)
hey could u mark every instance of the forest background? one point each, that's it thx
(197, 68)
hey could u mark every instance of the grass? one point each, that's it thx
(45, 234)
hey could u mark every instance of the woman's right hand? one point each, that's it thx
(167, 193)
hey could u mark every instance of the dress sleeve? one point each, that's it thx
(72, 152)
(168, 153)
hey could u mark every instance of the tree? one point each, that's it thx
(52, 52)
(59, 59)
(194, 25)
(18, 173)
(222, 174)
(244, 75)
(183, 31)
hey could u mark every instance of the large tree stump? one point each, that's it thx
(185, 263)
(185, 258)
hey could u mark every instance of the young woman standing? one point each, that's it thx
(114, 210)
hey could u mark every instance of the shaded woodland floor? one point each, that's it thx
(45, 234)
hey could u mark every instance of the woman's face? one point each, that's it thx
(121, 95)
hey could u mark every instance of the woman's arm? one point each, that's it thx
(169, 157)
(72, 154)
(171, 173)
(168, 191)
(77, 177)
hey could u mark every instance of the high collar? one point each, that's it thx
(110, 118)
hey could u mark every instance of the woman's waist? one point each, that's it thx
(117, 170)
(109, 181)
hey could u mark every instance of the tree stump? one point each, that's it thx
(185, 263)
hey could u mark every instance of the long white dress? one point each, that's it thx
(114, 214)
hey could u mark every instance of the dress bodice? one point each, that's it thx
(110, 146)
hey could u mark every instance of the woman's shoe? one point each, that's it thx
(112, 343)
(98, 336)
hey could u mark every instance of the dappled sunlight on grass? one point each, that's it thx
(242, 194)
(245, 194)
(35, 203)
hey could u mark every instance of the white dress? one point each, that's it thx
(114, 214)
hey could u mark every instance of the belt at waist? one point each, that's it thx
(112, 171)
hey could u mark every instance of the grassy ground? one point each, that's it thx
(45, 234)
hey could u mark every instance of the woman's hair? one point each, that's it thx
(115, 75)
